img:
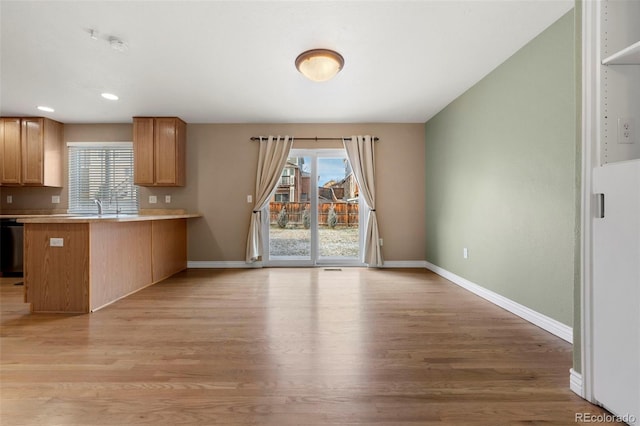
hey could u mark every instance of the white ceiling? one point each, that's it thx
(233, 61)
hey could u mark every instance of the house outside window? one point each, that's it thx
(282, 198)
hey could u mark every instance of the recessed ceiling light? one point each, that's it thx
(117, 44)
(45, 108)
(110, 96)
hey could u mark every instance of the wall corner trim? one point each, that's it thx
(575, 383)
(549, 324)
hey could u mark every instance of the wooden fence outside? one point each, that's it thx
(347, 213)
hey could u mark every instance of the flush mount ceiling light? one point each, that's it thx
(319, 64)
(110, 96)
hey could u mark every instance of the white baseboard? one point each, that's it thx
(211, 264)
(404, 264)
(549, 324)
(575, 382)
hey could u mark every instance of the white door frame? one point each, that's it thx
(590, 158)
(314, 260)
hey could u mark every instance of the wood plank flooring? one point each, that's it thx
(284, 347)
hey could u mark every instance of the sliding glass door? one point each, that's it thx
(289, 226)
(314, 216)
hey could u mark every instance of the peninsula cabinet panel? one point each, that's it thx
(169, 247)
(32, 152)
(159, 151)
(10, 147)
(56, 279)
(80, 267)
(120, 260)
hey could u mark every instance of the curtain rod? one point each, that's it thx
(257, 138)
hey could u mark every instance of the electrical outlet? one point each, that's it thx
(9, 199)
(625, 130)
(56, 242)
(249, 199)
(465, 253)
(167, 199)
(153, 199)
(55, 199)
(381, 242)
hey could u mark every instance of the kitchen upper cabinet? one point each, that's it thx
(10, 140)
(143, 155)
(159, 151)
(31, 151)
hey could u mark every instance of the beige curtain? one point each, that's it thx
(274, 152)
(360, 153)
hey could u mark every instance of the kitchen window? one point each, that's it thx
(101, 171)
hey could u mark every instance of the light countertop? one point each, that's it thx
(102, 218)
(31, 215)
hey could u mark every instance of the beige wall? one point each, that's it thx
(221, 167)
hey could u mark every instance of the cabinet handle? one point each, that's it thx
(599, 206)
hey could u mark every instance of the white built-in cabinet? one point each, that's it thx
(616, 289)
(619, 80)
(611, 206)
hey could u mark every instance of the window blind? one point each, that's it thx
(102, 171)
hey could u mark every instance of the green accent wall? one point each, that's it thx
(502, 177)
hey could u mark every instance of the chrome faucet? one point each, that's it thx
(118, 191)
(114, 195)
(99, 204)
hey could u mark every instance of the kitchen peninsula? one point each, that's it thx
(78, 264)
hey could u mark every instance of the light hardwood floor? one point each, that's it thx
(284, 347)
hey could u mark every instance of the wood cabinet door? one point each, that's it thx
(166, 133)
(143, 152)
(32, 151)
(10, 150)
(53, 142)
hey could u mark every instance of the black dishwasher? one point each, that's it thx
(11, 246)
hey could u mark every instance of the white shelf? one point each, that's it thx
(627, 56)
